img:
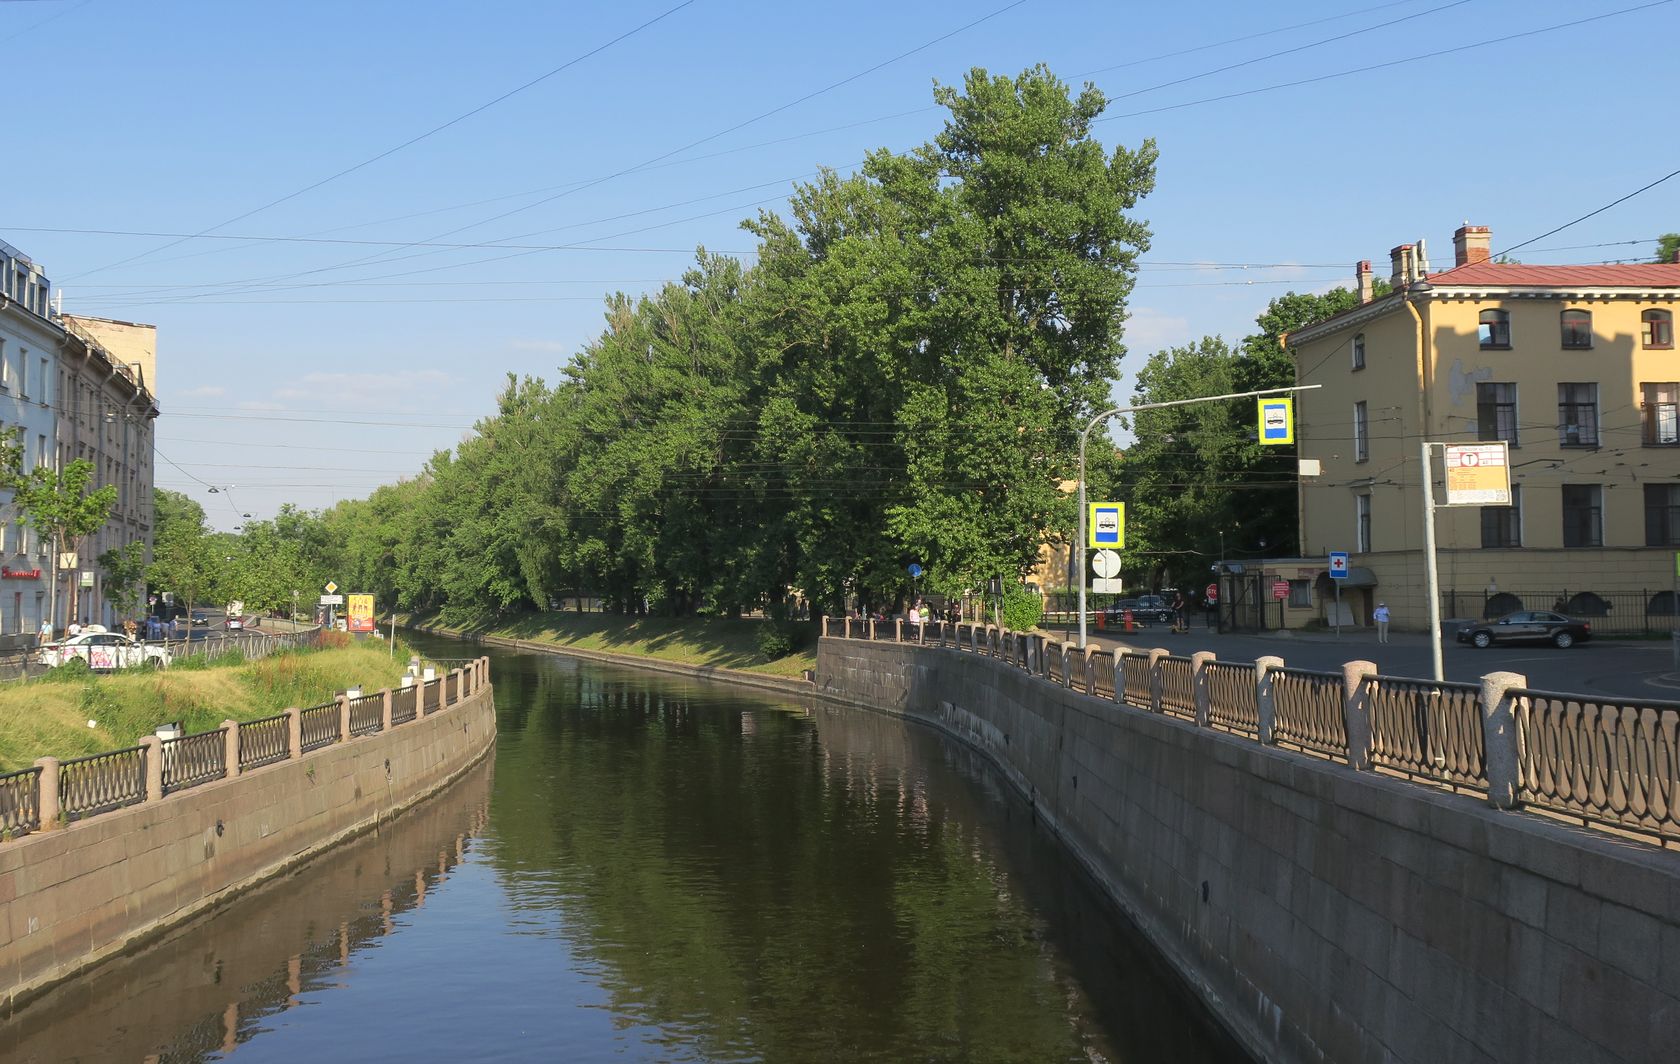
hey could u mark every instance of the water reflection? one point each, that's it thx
(668, 871)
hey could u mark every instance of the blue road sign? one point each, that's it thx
(915, 570)
(1338, 565)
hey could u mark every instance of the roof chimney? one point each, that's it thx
(1362, 272)
(1400, 259)
(1471, 244)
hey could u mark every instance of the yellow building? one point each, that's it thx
(1574, 366)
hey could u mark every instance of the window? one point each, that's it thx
(1578, 415)
(1300, 594)
(1361, 434)
(1496, 412)
(1583, 513)
(23, 373)
(46, 368)
(5, 369)
(1660, 413)
(1359, 351)
(1662, 515)
(41, 450)
(1495, 328)
(1656, 329)
(1577, 329)
(1362, 519)
(1502, 525)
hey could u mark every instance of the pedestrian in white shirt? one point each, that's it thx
(1380, 615)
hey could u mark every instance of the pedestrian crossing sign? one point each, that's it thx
(1107, 525)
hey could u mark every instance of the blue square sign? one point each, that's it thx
(1338, 565)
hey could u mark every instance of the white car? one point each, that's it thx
(102, 651)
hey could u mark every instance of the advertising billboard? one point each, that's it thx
(360, 611)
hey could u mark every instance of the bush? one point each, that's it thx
(778, 639)
(1022, 610)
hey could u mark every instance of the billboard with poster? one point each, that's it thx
(360, 611)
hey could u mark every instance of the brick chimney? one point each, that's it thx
(1400, 259)
(1472, 243)
(1362, 272)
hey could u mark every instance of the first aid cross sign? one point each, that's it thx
(1338, 565)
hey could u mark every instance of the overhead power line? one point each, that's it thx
(1589, 214)
(568, 64)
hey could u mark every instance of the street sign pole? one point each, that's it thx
(1338, 584)
(1433, 577)
(1085, 438)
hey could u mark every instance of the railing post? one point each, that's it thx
(1157, 682)
(1119, 675)
(151, 748)
(872, 629)
(1356, 712)
(230, 747)
(824, 626)
(1202, 687)
(1265, 696)
(1090, 673)
(1500, 737)
(385, 701)
(1067, 649)
(343, 718)
(898, 629)
(49, 804)
(294, 733)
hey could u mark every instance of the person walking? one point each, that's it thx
(1380, 615)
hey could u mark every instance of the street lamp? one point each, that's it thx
(1085, 439)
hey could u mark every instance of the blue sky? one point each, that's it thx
(304, 371)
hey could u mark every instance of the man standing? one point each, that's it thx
(46, 631)
(1380, 615)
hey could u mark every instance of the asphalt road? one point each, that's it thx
(1631, 669)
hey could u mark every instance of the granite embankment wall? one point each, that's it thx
(1324, 913)
(73, 897)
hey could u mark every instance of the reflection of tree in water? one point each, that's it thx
(791, 889)
(207, 988)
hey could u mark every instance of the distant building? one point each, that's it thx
(1574, 366)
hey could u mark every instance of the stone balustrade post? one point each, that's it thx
(898, 629)
(48, 802)
(846, 628)
(230, 747)
(1356, 712)
(1119, 675)
(1202, 686)
(1157, 682)
(1090, 672)
(825, 626)
(921, 633)
(872, 629)
(1066, 650)
(1265, 696)
(152, 748)
(294, 733)
(343, 718)
(1500, 737)
(386, 701)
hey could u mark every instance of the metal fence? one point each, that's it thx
(403, 704)
(1309, 712)
(1426, 730)
(20, 802)
(264, 741)
(319, 725)
(367, 714)
(1648, 612)
(99, 783)
(1601, 761)
(194, 759)
(1232, 699)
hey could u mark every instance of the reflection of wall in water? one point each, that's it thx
(220, 975)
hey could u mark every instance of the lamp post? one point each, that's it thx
(1085, 439)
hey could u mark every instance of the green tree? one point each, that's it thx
(181, 549)
(1667, 246)
(60, 505)
(125, 575)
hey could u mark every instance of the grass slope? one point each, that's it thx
(50, 716)
(714, 641)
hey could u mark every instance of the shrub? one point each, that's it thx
(778, 639)
(1022, 610)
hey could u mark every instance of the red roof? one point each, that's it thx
(1644, 275)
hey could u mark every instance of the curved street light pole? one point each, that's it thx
(1085, 438)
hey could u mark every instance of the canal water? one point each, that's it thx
(653, 869)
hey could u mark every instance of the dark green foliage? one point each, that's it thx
(778, 639)
(1022, 610)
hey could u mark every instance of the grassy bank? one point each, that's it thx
(713, 641)
(52, 715)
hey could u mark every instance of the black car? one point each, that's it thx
(1527, 626)
(1144, 608)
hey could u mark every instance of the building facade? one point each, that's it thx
(70, 388)
(29, 345)
(1573, 366)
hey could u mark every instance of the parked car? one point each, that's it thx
(103, 650)
(1144, 608)
(1527, 626)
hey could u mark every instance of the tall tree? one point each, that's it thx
(1668, 245)
(62, 507)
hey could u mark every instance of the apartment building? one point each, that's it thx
(29, 344)
(1573, 366)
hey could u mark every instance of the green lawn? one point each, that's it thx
(712, 641)
(67, 714)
